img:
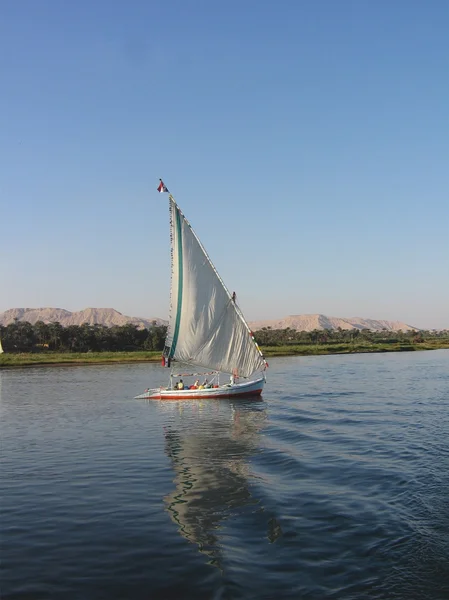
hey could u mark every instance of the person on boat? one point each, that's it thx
(180, 385)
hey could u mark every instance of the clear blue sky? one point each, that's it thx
(306, 141)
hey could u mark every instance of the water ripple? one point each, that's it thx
(334, 486)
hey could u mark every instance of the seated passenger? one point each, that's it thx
(180, 385)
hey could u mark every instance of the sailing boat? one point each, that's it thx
(206, 329)
(1, 348)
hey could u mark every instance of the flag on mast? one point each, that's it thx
(162, 187)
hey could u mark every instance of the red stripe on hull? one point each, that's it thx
(208, 397)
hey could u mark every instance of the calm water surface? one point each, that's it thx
(335, 485)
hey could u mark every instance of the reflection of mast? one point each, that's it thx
(209, 459)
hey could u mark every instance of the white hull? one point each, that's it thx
(237, 390)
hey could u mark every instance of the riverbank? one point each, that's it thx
(58, 359)
(354, 348)
(102, 358)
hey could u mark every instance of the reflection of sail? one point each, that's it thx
(209, 456)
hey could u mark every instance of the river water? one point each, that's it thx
(334, 485)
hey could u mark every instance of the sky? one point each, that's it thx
(306, 141)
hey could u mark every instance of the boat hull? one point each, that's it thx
(239, 390)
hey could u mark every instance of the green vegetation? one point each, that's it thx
(28, 359)
(43, 344)
(22, 336)
(287, 342)
(308, 350)
(351, 337)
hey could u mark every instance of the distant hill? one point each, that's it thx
(311, 322)
(111, 317)
(101, 316)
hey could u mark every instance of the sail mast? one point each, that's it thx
(230, 296)
(206, 327)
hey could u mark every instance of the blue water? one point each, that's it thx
(334, 485)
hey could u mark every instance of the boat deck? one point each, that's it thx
(239, 390)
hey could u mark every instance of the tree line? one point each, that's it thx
(285, 337)
(22, 336)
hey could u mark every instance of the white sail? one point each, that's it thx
(1, 349)
(206, 328)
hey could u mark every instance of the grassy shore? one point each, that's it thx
(97, 358)
(76, 358)
(353, 348)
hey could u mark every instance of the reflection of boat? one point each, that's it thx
(206, 327)
(209, 454)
